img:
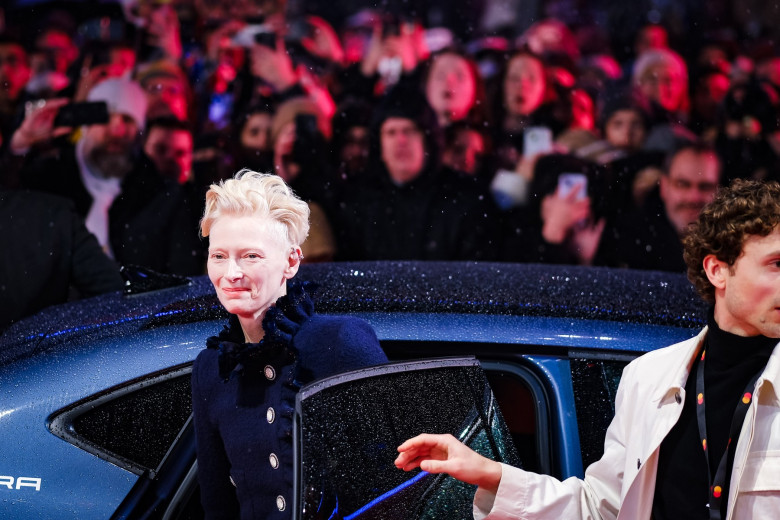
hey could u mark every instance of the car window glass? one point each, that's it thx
(595, 385)
(350, 428)
(133, 426)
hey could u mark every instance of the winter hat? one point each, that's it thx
(624, 102)
(122, 96)
(407, 102)
(160, 69)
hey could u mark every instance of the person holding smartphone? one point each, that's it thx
(564, 220)
(136, 214)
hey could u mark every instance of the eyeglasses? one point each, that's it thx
(158, 89)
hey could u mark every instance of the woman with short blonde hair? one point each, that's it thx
(244, 383)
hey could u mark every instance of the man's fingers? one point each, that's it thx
(433, 466)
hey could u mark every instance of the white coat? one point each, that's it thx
(621, 484)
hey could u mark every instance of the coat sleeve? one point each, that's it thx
(338, 344)
(217, 494)
(92, 272)
(530, 496)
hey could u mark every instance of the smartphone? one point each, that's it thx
(569, 182)
(83, 113)
(536, 140)
(255, 34)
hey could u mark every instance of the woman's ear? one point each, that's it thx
(293, 262)
(716, 271)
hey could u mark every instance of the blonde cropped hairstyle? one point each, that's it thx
(261, 194)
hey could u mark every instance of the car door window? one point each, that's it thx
(350, 426)
(134, 425)
(595, 383)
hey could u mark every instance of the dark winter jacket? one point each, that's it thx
(47, 254)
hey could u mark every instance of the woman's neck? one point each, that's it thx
(252, 328)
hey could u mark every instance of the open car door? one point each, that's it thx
(348, 427)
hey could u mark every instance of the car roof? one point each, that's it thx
(433, 288)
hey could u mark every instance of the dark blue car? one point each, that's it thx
(95, 395)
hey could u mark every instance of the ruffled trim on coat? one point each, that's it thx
(280, 323)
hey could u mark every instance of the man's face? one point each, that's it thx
(747, 294)
(171, 151)
(690, 184)
(625, 129)
(58, 48)
(354, 152)
(403, 149)
(662, 84)
(167, 96)
(109, 147)
(14, 71)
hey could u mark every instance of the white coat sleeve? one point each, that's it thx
(530, 496)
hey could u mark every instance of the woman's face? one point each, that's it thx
(662, 84)
(256, 134)
(451, 88)
(249, 263)
(625, 130)
(524, 85)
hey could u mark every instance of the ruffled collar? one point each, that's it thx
(280, 323)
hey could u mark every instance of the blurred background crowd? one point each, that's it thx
(565, 131)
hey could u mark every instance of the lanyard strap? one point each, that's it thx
(719, 483)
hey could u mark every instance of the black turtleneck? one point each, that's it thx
(681, 488)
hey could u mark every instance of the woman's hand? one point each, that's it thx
(445, 454)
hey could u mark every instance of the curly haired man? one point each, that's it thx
(696, 433)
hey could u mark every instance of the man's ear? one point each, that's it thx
(716, 271)
(293, 262)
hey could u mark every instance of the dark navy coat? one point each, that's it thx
(243, 398)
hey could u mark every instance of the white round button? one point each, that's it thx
(270, 415)
(270, 373)
(274, 460)
(281, 504)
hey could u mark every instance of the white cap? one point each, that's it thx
(122, 96)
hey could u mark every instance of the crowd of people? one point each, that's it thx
(407, 141)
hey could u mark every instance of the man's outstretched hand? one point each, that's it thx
(445, 454)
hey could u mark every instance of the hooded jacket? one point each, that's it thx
(435, 216)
